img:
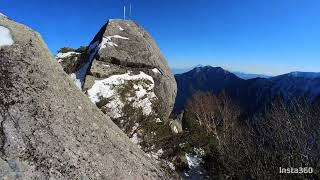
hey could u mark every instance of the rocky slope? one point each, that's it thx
(48, 128)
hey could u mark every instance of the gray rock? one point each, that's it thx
(122, 46)
(49, 129)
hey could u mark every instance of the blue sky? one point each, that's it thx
(258, 36)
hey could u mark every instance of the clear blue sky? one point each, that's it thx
(259, 36)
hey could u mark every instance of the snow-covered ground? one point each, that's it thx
(110, 88)
(5, 37)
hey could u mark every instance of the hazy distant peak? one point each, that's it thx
(304, 74)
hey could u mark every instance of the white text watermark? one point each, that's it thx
(296, 170)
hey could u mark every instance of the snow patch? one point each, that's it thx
(135, 139)
(193, 160)
(120, 28)
(76, 81)
(106, 65)
(64, 55)
(110, 87)
(106, 40)
(156, 71)
(175, 129)
(5, 37)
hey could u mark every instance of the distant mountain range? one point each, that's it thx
(241, 75)
(251, 94)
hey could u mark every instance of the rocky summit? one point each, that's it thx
(49, 129)
(123, 54)
(124, 73)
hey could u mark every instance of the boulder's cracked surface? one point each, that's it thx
(49, 129)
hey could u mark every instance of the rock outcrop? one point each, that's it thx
(48, 128)
(123, 54)
(127, 77)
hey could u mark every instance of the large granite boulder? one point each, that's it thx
(124, 49)
(48, 128)
(124, 74)
(127, 77)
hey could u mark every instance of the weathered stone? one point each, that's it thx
(49, 129)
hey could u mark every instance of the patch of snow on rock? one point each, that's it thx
(155, 70)
(120, 28)
(76, 81)
(107, 41)
(175, 129)
(135, 139)
(193, 161)
(64, 55)
(158, 120)
(5, 37)
(109, 89)
(143, 98)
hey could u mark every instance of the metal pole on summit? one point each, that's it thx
(126, 4)
(124, 12)
(130, 10)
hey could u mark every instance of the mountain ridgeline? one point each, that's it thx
(251, 95)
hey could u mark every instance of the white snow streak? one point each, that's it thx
(155, 70)
(64, 55)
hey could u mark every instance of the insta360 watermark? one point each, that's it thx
(298, 170)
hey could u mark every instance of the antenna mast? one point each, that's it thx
(130, 10)
(124, 12)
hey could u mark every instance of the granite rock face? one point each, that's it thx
(48, 128)
(121, 47)
(127, 77)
